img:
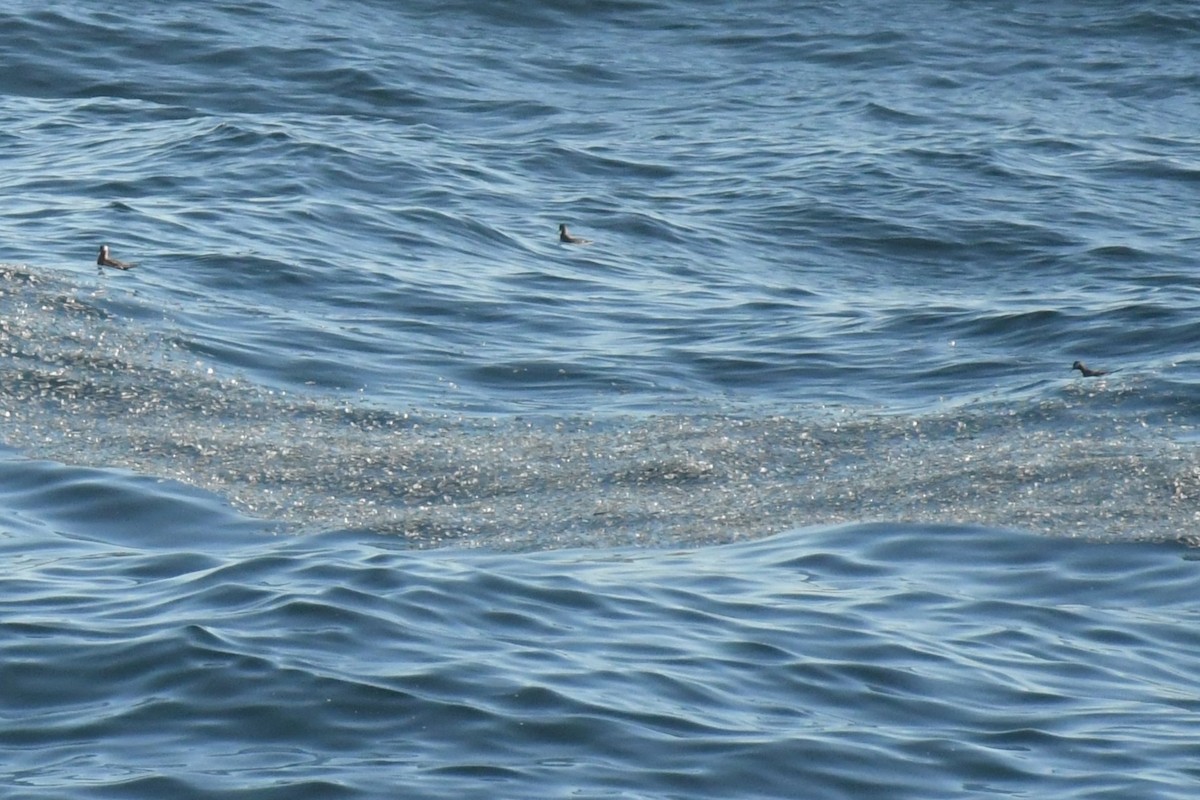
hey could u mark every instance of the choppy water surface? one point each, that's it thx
(361, 483)
(919, 662)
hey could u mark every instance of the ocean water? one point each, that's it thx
(361, 484)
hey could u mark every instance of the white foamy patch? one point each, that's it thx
(90, 389)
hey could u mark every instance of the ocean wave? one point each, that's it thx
(335, 658)
(362, 479)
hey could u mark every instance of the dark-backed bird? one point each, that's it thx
(564, 236)
(104, 260)
(1087, 371)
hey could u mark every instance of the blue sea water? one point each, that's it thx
(361, 484)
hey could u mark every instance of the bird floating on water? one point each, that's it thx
(104, 260)
(1087, 371)
(564, 236)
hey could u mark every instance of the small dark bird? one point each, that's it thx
(563, 236)
(1088, 372)
(104, 260)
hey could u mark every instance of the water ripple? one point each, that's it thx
(846, 658)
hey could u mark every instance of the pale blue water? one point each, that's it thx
(361, 484)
